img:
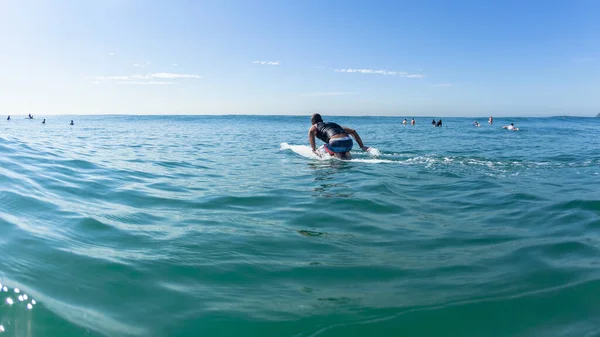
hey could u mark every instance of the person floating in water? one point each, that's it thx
(404, 122)
(491, 120)
(439, 123)
(510, 127)
(72, 122)
(44, 121)
(433, 122)
(412, 122)
(8, 118)
(337, 139)
(476, 123)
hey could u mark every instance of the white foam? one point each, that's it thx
(374, 152)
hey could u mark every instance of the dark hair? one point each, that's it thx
(316, 118)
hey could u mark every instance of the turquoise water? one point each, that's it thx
(209, 226)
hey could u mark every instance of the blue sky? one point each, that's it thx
(407, 58)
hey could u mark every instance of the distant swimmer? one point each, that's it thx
(476, 123)
(439, 123)
(510, 127)
(412, 122)
(72, 122)
(337, 138)
(404, 122)
(44, 121)
(433, 122)
(30, 116)
(491, 120)
(8, 118)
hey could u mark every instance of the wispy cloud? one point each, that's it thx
(174, 64)
(145, 82)
(380, 72)
(327, 93)
(111, 54)
(172, 75)
(138, 65)
(439, 85)
(268, 63)
(145, 79)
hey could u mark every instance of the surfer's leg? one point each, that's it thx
(343, 155)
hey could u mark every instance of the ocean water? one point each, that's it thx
(226, 226)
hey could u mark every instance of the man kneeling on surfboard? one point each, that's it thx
(337, 139)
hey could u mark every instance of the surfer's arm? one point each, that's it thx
(354, 134)
(311, 137)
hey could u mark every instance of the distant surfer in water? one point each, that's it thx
(510, 127)
(404, 122)
(337, 139)
(439, 123)
(412, 122)
(491, 120)
(72, 122)
(476, 123)
(44, 121)
(8, 118)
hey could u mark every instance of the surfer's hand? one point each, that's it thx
(365, 148)
(317, 153)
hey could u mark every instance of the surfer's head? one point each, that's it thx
(316, 118)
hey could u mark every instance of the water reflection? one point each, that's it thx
(327, 178)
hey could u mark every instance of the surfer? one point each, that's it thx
(8, 118)
(44, 121)
(337, 139)
(412, 122)
(439, 123)
(491, 120)
(404, 122)
(510, 127)
(72, 122)
(476, 123)
(433, 122)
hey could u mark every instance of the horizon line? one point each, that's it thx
(307, 115)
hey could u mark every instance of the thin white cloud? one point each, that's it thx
(268, 63)
(145, 79)
(174, 64)
(380, 72)
(172, 75)
(439, 85)
(137, 65)
(111, 54)
(327, 93)
(146, 82)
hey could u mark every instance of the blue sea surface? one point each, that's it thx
(224, 226)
